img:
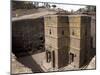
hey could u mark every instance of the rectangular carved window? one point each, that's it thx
(62, 32)
(71, 57)
(50, 31)
(48, 56)
(73, 33)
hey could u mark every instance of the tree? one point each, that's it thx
(47, 5)
(90, 8)
(54, 6)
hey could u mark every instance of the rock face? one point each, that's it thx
(26, 34)
(17, 67)
(27, 64)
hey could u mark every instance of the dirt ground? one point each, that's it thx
(33, 63)
(27, 64)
